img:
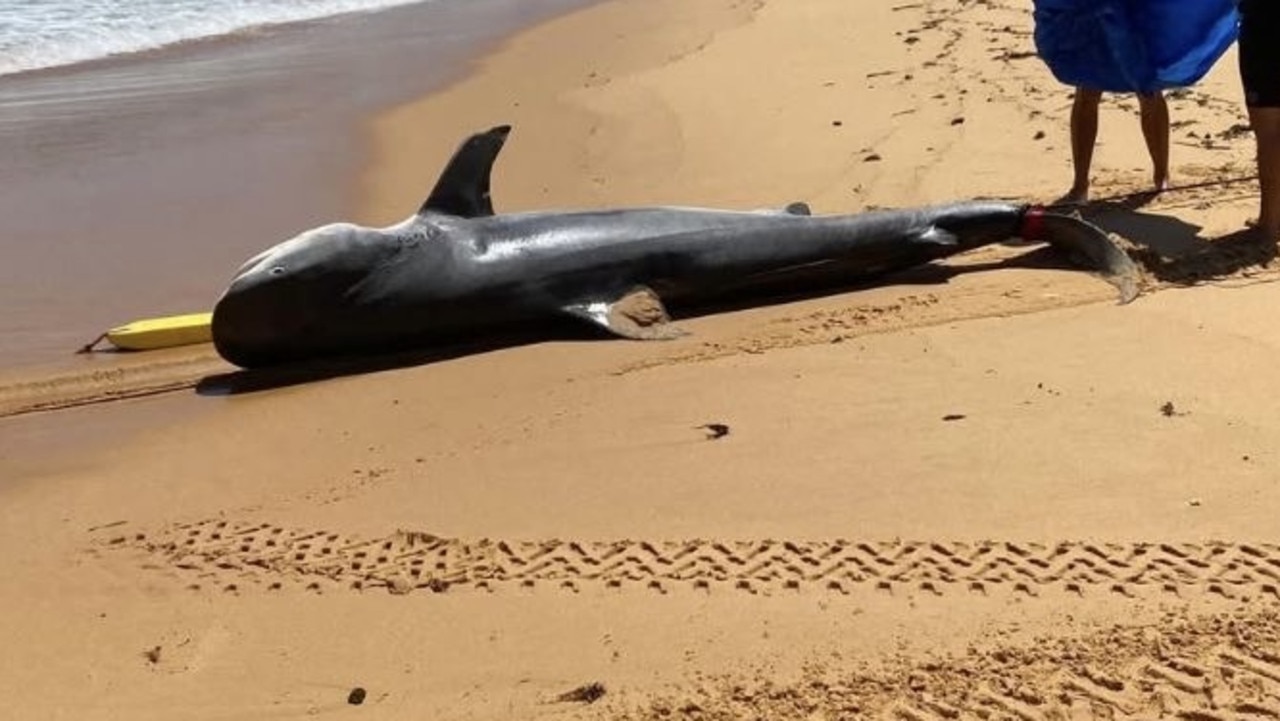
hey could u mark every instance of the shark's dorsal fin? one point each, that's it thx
(637, 314)
(463, 187)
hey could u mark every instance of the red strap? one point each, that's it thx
(1033, 224)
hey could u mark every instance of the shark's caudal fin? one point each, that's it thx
(1085, 240)
(637, 314)
(463, 187)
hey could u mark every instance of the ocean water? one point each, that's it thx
(49, 33)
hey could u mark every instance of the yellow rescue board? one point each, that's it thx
(153, 333)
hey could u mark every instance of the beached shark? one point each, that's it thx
(455, 269)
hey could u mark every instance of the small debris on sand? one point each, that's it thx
(356, 697)
(589, 693)
(715, 431)
(399, 585)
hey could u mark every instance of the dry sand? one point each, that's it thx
(982, 490)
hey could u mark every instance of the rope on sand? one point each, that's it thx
(88, 347)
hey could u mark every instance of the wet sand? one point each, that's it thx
(981, 489)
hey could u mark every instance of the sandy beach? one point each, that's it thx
(980, 489)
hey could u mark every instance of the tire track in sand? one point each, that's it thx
(1192, 668)
(228, 555)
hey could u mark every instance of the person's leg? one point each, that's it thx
(1259, 52)
(1155, 129)
(1266, 128)
(1084, 135)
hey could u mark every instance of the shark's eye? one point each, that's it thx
(276, 270)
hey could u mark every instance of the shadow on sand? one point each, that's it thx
(810, 283)
(261, 379)
(1174, 251)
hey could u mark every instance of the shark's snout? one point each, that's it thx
(288, 301)
(257, 320)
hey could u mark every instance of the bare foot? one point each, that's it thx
(1267, 231)
(1074, 197)
(1270, 231)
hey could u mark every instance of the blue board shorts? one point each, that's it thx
(1260, 52)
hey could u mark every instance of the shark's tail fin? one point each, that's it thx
(1087, 241)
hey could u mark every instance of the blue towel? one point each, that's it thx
(1133, 45)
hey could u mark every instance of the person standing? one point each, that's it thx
(1259, 53)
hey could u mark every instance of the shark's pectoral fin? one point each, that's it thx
(638, 314)
(797, 208)
(933, 235)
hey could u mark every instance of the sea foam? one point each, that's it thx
(49, 33)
